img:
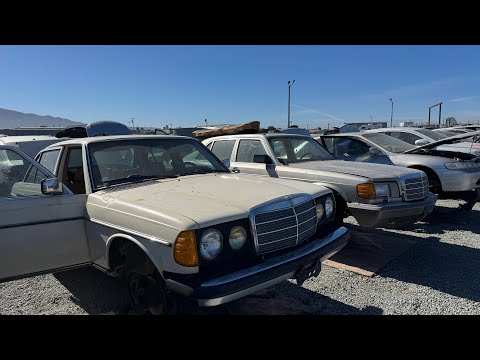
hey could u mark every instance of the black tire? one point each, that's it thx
(148, 294)
(341, 210)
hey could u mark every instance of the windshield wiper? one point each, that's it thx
(135, 179)
(196, 172)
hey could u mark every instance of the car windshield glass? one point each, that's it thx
(435, 135)
(126, 161)
(448, 132)
(389, 143)
(298, 149)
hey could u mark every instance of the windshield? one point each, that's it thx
(298, 149)
(435, 135)
(389, 143)
(127, 161)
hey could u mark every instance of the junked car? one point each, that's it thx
(419, 137)
(451, 174)
(164, 213)
(30, 144)
(376, 195)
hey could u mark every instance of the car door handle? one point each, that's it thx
(235, 170)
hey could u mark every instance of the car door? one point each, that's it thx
(38, 233)
(243, 155)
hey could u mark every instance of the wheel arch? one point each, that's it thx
(113, 245)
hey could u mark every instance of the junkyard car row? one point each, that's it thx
(212, 223)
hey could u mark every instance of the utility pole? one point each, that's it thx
(290, 83)
(391, 114)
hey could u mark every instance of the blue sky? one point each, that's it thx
(183, 85)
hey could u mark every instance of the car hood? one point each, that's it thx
(366, 170)
(192, 201)
(448, 140)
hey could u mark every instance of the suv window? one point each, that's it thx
(49, 159)
(248, 148)
(223, 149)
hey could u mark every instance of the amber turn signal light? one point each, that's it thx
(366, 191)
(185, 249)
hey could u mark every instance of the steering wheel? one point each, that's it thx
(189, 163)
(311, 155)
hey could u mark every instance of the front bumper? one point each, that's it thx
(459, 180)
(271, 271)
(392, 214)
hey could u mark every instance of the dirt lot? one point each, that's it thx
(437, 275)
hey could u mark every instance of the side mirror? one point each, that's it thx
(262, 159)
(226, 162)
(421, 142)
(51, 186)
(374, 151)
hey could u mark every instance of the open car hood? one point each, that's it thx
(449, 140)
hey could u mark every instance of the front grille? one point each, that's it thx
(415, 188)
(293, 222)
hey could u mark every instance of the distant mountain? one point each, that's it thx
(10, 119)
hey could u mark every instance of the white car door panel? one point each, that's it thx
(40, 233)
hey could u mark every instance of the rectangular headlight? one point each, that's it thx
(462, 165)
(382, 190)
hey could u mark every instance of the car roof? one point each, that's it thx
(25, 138)
(343, 134)
(256, 136)
(403, 128)
(89, 140)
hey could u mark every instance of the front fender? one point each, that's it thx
(335, 188)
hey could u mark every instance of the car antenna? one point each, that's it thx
(471, 145)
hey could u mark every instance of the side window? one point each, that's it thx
(329, 144)
(350, 147)
(223, 149)
(18, 177)
(248, 148)
(74, 171)
(279, 149)
(49, 159)
(407, 137)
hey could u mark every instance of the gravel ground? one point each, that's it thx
(437, 275)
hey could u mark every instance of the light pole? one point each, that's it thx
(391, 114)
(133, 126)
(290, 83)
